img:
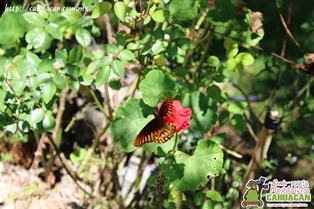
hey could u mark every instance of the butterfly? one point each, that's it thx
(158, 130)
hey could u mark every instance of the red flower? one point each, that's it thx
(181, 117)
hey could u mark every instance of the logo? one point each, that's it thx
(253, 195)
(281, 193)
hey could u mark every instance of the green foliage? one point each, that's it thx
(187, 50)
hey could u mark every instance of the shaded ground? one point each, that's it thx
(20, 188)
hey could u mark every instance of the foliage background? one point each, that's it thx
(63, 71)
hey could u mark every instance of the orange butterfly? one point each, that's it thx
(158, 130)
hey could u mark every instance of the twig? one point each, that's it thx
(288, 31)
(284, 44)
(65, 167)
(92, 149)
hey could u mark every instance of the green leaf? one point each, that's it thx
(231, 64)
(11, 128)
(214, 195)
(128, 123)
(244, 58)
(78, 155)
(126, 55)
(75, 54)
(86, 80)
(214, 92)
(83, 37)
(183, 9)
(35, 38)
(61, 57)
(213, 61)
(42, 11)
(191, 172)
(73, 70)
(157, 47)
(44, 77)
(49, 123)
(24, 126)
(164, 84)
(237, 107)
(59, 81)
(2, 97)
(85, 22)
(35, 19)
(160, 16)
(208, 204)
(232, 51)
(120, 10)
(185, 44)
(54, 30)
(239, 122)
(204, 111)
(12, 27)
(37, 115)
(115, 84)
(99, 63)
(74, 84)
(223, 117)
(102, 76)
(219, 138)
(111, 48)
(48, 91)
(101, 9)
(198, 198)
(172, 49)
(118, 68)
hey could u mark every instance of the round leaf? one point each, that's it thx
(239, 122)
(244, 58)
(49, 123)
(232, 51)
(101, 9)
(204, 111)
(214, 92)
(157, 47)
(155, 84)
(191, 172)
(160, 16)
(223, 117)
(231, 64)
(128, 123)
(37, 115)
(237, 106)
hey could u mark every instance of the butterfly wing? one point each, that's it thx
(166, 108)
(157, 130)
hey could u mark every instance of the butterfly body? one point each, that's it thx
(158, 130)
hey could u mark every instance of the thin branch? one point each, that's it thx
(289, 32)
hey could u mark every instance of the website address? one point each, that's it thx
(49, 9)
(303, 205)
